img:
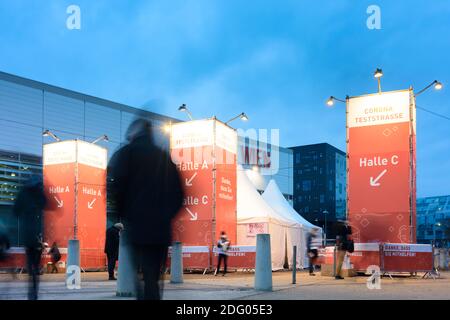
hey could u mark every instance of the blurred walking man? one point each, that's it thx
(313, 244)
(146, 188)
(29, 207)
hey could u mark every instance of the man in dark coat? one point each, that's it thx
(112, 247)
(146, 188)
(29, 207)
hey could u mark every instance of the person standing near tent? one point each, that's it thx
(223, 245)
(313, 245)
(343, 239)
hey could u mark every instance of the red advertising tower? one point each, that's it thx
(381, 150)
(205, 154)
(75, 180)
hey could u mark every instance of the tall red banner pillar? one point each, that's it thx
(205, 154)
(381, 149)
(75, 180)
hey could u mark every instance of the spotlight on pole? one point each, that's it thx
(48, 133)
(103, 137)
(242, 116)
(437, 86)
(183, 108)
(378, 73)
(330, 101)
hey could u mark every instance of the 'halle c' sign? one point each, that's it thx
(381, 150)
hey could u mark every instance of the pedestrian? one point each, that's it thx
(55, 256)
(313, 244)
(223, 246)
(29, 206)
(112, 248)
(147, 190)
(343, 244)
(5, 244)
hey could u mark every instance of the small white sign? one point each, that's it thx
(378, 109)
(256, 228)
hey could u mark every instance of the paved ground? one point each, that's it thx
(237, 286)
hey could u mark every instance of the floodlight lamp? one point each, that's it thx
(437, 85)
(378, 73)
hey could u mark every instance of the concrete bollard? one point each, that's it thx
(263, 268)
(127, 273)
(176, 263)
(73, 271)
(443, 262)
(294, 266)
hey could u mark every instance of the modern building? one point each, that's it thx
(433, 220)
(320, 184)
(28, 108)
(265, 161)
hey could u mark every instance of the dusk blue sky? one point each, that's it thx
(276, 60)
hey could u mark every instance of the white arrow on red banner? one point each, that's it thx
(193, 215)
(189, 181)
(374, 182)
(90, 204)
(60, 203)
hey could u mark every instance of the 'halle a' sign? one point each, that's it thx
(75, 180)
(381, 149)
(205, 154)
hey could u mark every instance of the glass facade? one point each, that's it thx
(320, 184)
(27, 108)
(433, 220)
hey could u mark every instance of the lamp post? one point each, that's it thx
(377, 75)
(183, 108)
(242, 116)
(48, 133)
(325, 212)
(437, 86)
(102, 138)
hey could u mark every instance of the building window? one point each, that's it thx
(306, 185)
(322, 198)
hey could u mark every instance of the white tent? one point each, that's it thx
(255, 216)
(273, 196)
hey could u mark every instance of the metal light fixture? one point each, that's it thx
(378, 74)
(183, 108)
(437, 86)
(48, 133)
(242, 116)
(330, 101)
(103, 137)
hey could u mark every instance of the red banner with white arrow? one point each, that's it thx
(381, 174)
